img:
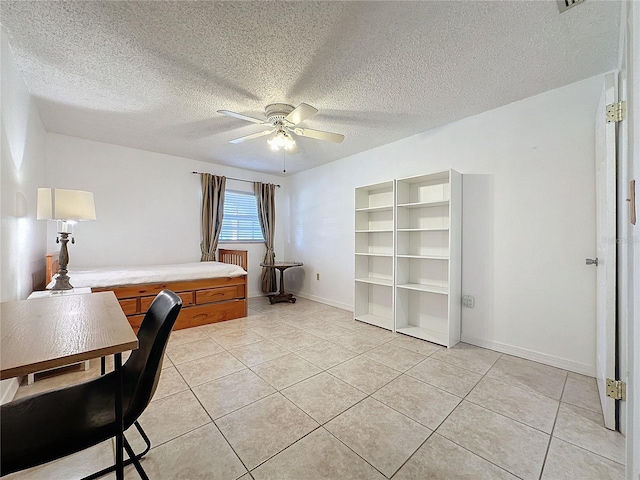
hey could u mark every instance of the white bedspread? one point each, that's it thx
(112, 276)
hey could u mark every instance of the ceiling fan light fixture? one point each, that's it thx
(282, 140)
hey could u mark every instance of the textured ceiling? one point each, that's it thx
(151, 74)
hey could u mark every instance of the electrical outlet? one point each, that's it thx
(317, 276)
(468, 301)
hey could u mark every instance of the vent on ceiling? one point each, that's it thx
(564, 5)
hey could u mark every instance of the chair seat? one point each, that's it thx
(54, 424)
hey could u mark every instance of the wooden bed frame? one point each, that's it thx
(204, 301)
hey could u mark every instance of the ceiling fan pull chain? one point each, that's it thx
(284, 161)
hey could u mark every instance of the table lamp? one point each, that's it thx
(66, 207)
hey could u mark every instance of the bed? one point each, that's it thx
(210, 291)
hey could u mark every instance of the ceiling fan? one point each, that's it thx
(283, 119)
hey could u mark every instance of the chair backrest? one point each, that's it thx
(141, 371)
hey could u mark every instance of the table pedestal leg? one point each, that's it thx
(282, 296)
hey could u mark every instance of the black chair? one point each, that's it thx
(44, 427)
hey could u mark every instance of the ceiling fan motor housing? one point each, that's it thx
(277, 112)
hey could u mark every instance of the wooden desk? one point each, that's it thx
(51, 332)
(282, 296)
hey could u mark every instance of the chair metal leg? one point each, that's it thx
(136, 462)
(117, 360)
(132, 459)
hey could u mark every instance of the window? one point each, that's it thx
(240, 222)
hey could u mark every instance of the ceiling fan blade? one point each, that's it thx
(253, 135)
(300, 113)
(318, 134)
(229, 113)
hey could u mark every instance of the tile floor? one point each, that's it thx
(304, 392)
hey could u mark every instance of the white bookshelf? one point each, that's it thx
(427, 264)
(374, 252)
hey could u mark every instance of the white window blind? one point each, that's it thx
(240, 222)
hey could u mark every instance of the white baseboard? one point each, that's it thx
(326, 301)
(314, 298)
(8, 388)
(534, 356)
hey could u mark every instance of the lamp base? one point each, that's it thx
(62, 279)
(62, 282)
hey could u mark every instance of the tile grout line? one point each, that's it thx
(553, 428)
(435, 431)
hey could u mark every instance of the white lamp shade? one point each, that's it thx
(61, 204)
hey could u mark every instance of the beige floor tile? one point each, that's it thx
(284, 371)
(380, 435)
(305, 306)
(326, 330)
(456, 380)
(166, 362)
(441, 459)
(326, 355)
(209, 368)
(264, 428)
(303, 322)
(229, 393)
(73, 467)
(548, 382)
(522, 405)
(329, 311)
(347, 322)
(364, 374)
(186, 352)
(170, 382)
(423, 403)
(258, 352)
(318, 456)
(469, 357)
(582, 391)
(200, 454)
(585, 429)
(491, 428)
(220, 328)
(537, 365)
(238, 338)
(269, 329)
(517, 448)
(296, 340)
(265, 321)
(260, 300)
(185, 335)
(357, 342)
(170, 417)
(395, 357)
(568, 462)
(416, 345)
(377, 333)
(323, 396)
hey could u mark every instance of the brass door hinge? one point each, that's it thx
(616, 389)
(616, 112)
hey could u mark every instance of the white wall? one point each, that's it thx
(147, 205)
(528, 221)
(22, 171)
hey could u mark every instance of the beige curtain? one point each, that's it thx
(266, 201)
(212, 211)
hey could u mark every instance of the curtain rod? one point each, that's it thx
(237, 179)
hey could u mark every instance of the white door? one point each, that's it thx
(606, 246)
